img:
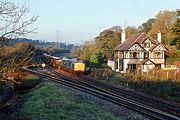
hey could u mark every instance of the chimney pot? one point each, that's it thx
(123, 36)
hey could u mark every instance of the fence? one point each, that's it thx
(165, 74)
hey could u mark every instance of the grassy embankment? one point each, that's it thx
(31, 79)
(148, 84)
(48, 101)
(27, 81)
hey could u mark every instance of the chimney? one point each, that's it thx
(123, 36)
(159, 37)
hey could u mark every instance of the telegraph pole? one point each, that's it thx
(57, 39)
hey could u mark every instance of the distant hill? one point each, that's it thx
(116, 28)
(43, 44)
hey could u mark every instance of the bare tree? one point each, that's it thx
(14, 23)
(21, 55)
(13, 20)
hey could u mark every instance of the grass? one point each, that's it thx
(31, 80)
(48, 101)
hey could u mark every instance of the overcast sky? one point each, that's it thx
(81, 20)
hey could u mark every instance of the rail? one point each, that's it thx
(109, 96)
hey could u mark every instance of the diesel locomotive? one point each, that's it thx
(72, 65)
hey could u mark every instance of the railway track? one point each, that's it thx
(172, 108)
(113, 97)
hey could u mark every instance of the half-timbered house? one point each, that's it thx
(139, 52)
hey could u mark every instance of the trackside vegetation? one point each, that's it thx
(148, 84)
(31, 79)
(47, 101)
(151, 85)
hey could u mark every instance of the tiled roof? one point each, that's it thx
(140, 62)
(137, 38)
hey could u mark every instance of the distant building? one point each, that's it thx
(139, 52)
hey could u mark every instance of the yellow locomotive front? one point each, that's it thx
(79, 67)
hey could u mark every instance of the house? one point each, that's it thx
(139, 52)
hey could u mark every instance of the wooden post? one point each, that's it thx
(175, 74)
(167, 74)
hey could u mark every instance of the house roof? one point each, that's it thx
(140, 62)
(137, 38)
(145, 60)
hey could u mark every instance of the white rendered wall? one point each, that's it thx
(125, 64)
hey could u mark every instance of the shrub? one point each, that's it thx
(149, 84)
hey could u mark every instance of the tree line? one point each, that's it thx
(99, 50)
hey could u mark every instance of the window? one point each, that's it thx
(157, 66)
(147, 44)
(146, 55)
(133, 55)
(133, 66)
(158, 55)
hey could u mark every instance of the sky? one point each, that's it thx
(76, 21)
